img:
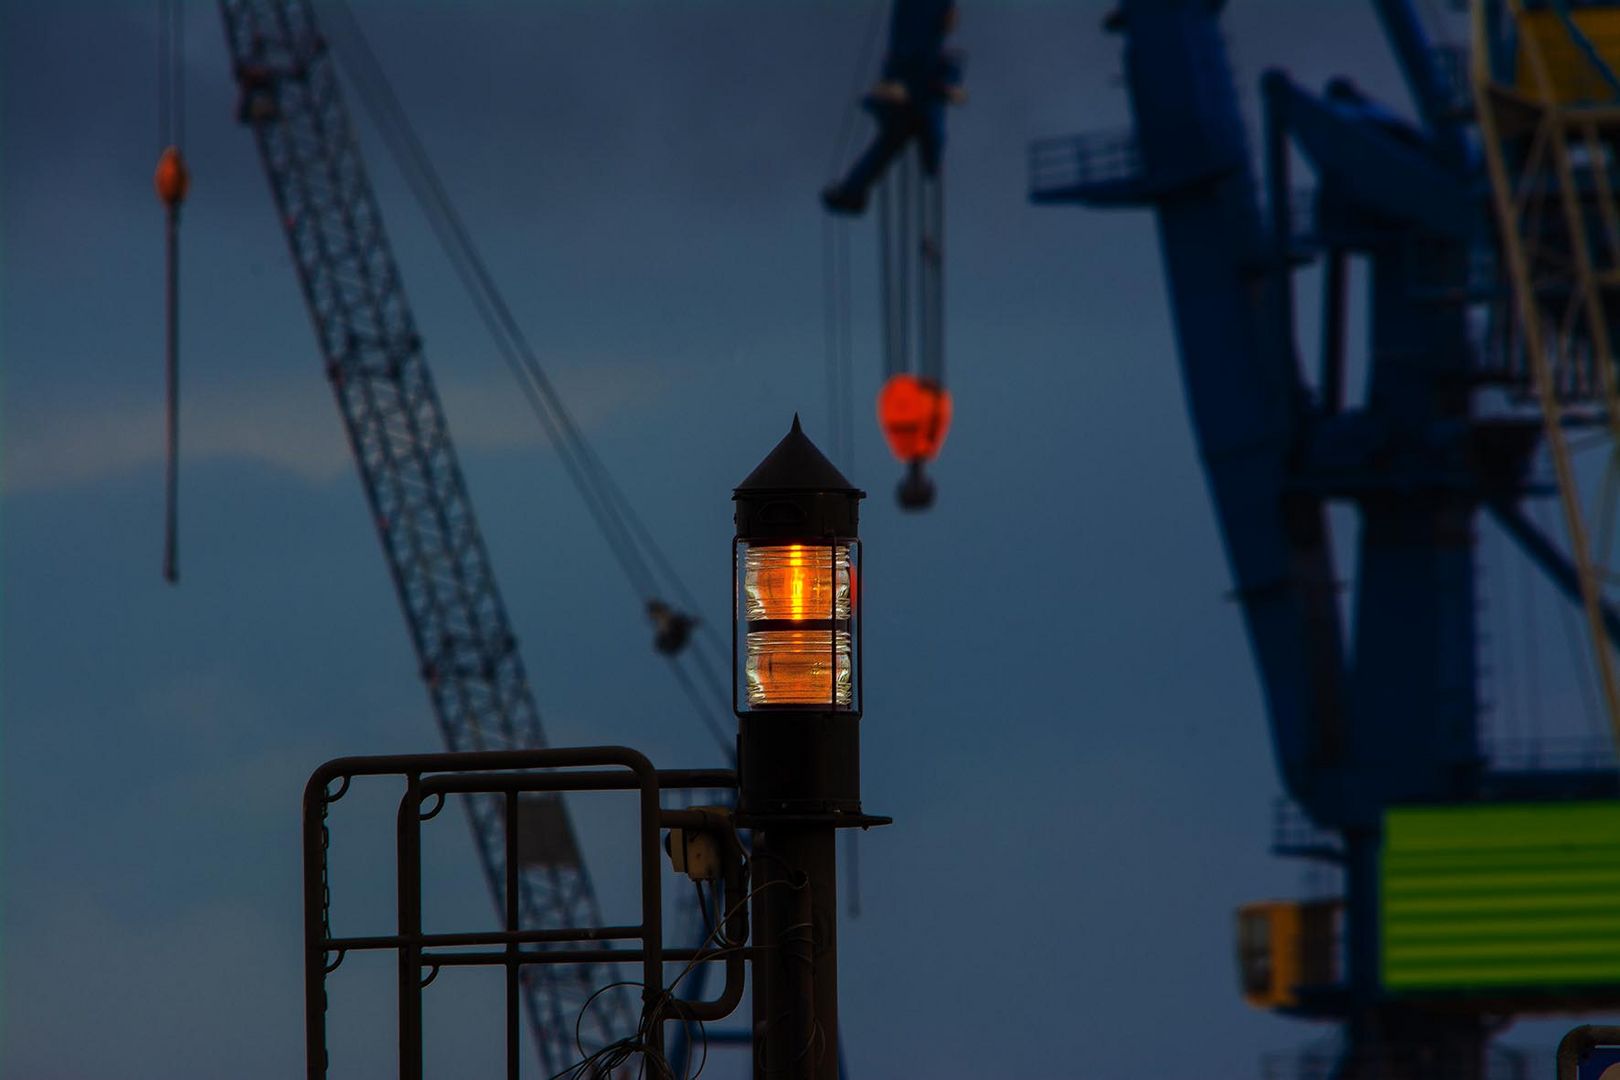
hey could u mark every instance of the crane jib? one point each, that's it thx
(291, 97)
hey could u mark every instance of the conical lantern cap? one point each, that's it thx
(796, 492)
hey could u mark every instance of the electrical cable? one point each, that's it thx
(618, 1052)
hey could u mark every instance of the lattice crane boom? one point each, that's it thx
(413, 482)
(1548, 135)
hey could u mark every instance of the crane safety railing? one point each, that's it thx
(1062, 164)
(1329, 1062)
(1294, 835)
(1572, 753)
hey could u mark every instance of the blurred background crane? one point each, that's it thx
(1475, 887)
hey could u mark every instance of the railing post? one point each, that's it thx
(409, 870)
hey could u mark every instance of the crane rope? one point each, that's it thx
(846, 130)
(170, 181)
(838, 335)
(171, 74)
(1498, 577)
(839, 347)
(1585, 675)
(632, 544)
(838, 338)
(906, 175)
(1531, 693)
(932, 366)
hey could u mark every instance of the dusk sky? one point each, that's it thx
(1061, 712)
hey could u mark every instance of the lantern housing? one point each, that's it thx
(796, 628)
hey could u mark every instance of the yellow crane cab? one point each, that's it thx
(1286, 946)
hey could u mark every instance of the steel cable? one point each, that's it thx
(632, 544)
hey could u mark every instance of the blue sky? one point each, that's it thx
(1061, 712)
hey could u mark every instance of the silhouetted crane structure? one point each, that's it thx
(291, 98)
(1463, 907)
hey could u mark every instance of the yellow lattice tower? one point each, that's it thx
(1549, 116)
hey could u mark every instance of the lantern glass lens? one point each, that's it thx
(797, 606)
(799, 667)
(796, 582)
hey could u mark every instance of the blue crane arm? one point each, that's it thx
(1373, 158)
(1240, 373)
(1416, 55)
(413, 482)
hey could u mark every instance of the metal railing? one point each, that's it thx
(1295, 835)
(1327, 1062)
(1075, 161)
(507, 780)
(1573, 753)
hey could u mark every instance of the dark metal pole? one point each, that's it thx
(315, 928)
(512, 947)
(796, 975)
(1333, 306)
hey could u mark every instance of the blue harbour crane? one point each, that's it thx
(1472, 892)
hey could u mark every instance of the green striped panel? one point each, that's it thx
(1493, 897)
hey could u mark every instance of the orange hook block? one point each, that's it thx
(915, 414)
(171, 179)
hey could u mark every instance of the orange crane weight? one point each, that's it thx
(172, 179)
(915, 414)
